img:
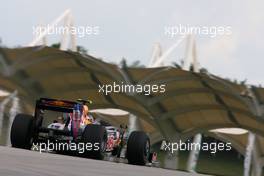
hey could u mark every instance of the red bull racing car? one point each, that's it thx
(67, 127)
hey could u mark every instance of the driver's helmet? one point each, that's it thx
(86, 118)
(60, 120)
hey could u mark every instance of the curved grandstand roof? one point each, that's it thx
(192, 103)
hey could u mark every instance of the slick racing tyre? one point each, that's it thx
(96, 136)
(22, 131)
(138, 148)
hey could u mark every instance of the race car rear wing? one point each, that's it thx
(55, 105)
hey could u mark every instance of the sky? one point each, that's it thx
(129, 29)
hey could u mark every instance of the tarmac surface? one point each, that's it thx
(18, 162)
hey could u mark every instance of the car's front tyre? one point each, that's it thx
(96, 136)
(138, 148)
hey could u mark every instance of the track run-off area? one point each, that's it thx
(18, 162)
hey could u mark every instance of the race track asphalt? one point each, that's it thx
(18, 162)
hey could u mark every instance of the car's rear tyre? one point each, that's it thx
(138, 148)
(96, 136)
(22, 131)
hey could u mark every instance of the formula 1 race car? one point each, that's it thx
(66, 127)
